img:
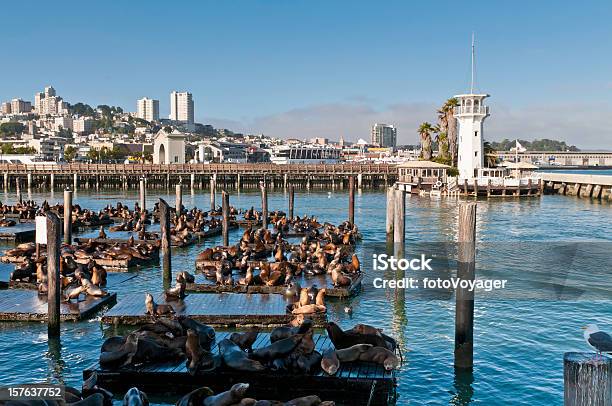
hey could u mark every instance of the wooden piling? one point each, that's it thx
(465, 187)
(143, 195)
(399, 223)
(587, 379)
(213, 186)
(179, 200)
(264, 204)
(67, 216)
(390, 213)
(475, 187)
(225, 221)
(488, 187)
(464, 304)
(352, 199)
(164, 221)
(53, 274)
(291, 201)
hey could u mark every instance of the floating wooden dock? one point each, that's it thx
(221, 309)
(28, 305)
(120, 265)
(112, 279)
(355, 383)
(203, 284)
(21, 232)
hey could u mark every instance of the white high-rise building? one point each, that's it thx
(148, 109)
(19, 106)
(383, 135)
(181, 107)
(49, 91)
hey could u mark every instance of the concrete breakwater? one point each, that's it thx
(197, 176)
(581, 185)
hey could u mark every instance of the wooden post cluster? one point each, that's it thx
(179, 200)
(351, 199)
(464, 304)
(67, 216)
(53, 274)
(213, 186)
(164, 221)
(143, 196)
(264, 204)
(587, 379)
(399, 222)
(390, 213)
(225, 221)
(291, 201)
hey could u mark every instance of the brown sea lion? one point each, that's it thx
(381, 356)
(196, 355)
(344, 339)
(237, 359)
(177, 292)
(155, 309)
(195, 398)
(364, 329)
(245, 340)
(320, 299)
(303, 297)
(205, 332)
(278, 349)
(351, 354)
(228, 398)
(185, 276)
(312, 400)
(330, 362)
(309, 309)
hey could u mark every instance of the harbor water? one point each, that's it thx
(520, 334)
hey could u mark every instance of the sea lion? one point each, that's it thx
(303, 297)
(309, 363)
(135, 397)
(320, 298)
(309, 309)
(312, 400)
(155, 309)
(364, 329)
(229, 397)
(237, 359)
(351, 354)
(118, 357)
(380, 355)
(185, 276)
(278, 349)
(205, 333)
(177, 292)
(344, 339)
(90, 387)
(195, 398)
(196, 355)
(330, 362)
(245, 340)
(312, 293)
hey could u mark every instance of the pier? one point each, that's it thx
(580, 185)
(354, 383)
(199, 176)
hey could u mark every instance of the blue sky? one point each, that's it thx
(324, 68)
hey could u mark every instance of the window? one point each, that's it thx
(475, 133)
(475, 153)
(175, 159)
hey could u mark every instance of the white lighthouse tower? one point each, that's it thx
(471, 113)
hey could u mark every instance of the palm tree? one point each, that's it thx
(448, 110)
(490, 159)
(442, 141)
(425, 130)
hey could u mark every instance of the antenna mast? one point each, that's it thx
(472, 83)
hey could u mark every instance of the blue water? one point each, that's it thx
(520, 334)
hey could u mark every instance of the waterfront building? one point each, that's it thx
(148, 109)
(169, 148)
(383, 135)
(304, 154)
(181, 107)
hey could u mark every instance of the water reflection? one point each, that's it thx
(464, 391)
(55, 361)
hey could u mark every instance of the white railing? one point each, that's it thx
(471, 110)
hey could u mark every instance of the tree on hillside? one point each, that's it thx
(70, 153)
(425, 130)
(11, 128)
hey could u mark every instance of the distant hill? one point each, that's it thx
(535, 145)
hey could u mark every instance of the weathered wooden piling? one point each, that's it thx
(351, 200)
(143, 195)
(587, 379)
(68, 216)
(225, 220)
(264, 204)
(399, 223)
(53, 274)
(179, 199)
(213, 186)
(291, 201)
(164, 221)
(390, 212)
(464, 297)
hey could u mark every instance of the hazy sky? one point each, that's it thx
(324, 68)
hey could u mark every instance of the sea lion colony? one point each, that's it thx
(26, 210)
(291, 348)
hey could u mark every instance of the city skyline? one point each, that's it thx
(291, 70)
